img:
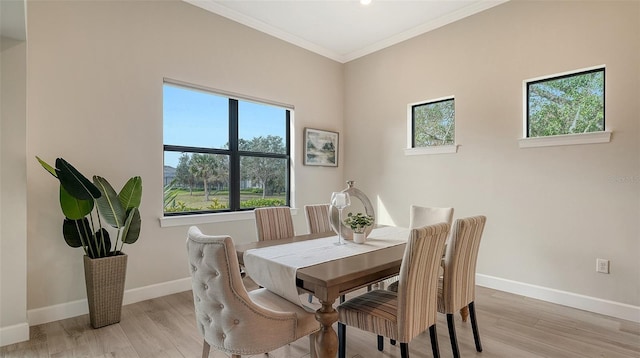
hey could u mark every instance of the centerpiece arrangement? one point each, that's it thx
(358, 222)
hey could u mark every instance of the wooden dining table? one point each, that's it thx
(329, 280)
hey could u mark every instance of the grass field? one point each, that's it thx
(185, 201)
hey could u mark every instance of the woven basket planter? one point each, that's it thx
(104, 279)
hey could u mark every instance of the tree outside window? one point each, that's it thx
(568, 104)
(433, 123)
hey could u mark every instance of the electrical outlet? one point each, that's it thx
(602, 265)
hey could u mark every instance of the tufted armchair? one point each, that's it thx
(231, 319)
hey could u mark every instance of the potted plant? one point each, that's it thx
(104, 262)
(358, 222)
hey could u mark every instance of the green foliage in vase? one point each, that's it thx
(82, 226)
(358, 222)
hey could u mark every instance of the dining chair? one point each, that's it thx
(228, 317)
(420, 216)
(318, 218)
(274, 223)
(404, 314)
(456, 288)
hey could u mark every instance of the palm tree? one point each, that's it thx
(203, 166)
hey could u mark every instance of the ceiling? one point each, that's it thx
(344, 30)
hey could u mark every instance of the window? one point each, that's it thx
(566, 104)
(223, 153)
(433, 123)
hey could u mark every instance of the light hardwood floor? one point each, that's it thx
(510, 326)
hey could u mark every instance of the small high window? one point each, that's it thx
(567, 104)
(433, 123)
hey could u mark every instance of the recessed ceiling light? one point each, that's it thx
(365, 2)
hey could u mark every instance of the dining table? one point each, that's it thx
(330, 279)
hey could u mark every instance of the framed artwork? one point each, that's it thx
(320, 147)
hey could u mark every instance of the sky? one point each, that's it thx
(201, 119)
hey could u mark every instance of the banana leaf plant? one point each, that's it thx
(82, 226)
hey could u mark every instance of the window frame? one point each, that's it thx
(530, 82)
(233, 151)
(437, 149)
(594, 137)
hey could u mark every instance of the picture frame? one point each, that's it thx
(320, 147)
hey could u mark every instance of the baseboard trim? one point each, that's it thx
(14, 334)
(80, 307)
(574, 300)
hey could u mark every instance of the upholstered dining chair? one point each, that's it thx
(456, 288)
(404, 314)
(318, 218)
(420, 216)
(231, 319)
(274, 223)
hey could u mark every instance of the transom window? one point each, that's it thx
(566, 104)
(433, 123)
(223, 153)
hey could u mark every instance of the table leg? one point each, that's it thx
(326, 339)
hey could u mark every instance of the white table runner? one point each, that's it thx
(275, 267)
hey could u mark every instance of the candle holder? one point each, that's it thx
(340, 200)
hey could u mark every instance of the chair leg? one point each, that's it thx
(452, 335)
(404, 350)
(474, 326)
(380, 343)
(342, 340)
(205, 349)
(435, 348)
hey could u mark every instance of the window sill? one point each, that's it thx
(185, 220)
(441, 149)
(567, 139)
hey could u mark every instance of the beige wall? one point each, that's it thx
(551, 211)
(13, 200)
(95, 98)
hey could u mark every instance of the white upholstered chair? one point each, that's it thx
(274, 223)
(404, 314)
(231, 319)
(456, 288)
(420, 216)
(318, 218)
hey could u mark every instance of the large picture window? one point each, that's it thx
(566, 104)
(433, 123)
(223, 153)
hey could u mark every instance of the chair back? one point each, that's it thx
(418, 280)
(318, 218)
(420, 216)
(226, 316)
(274, 223)
(459, 280)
